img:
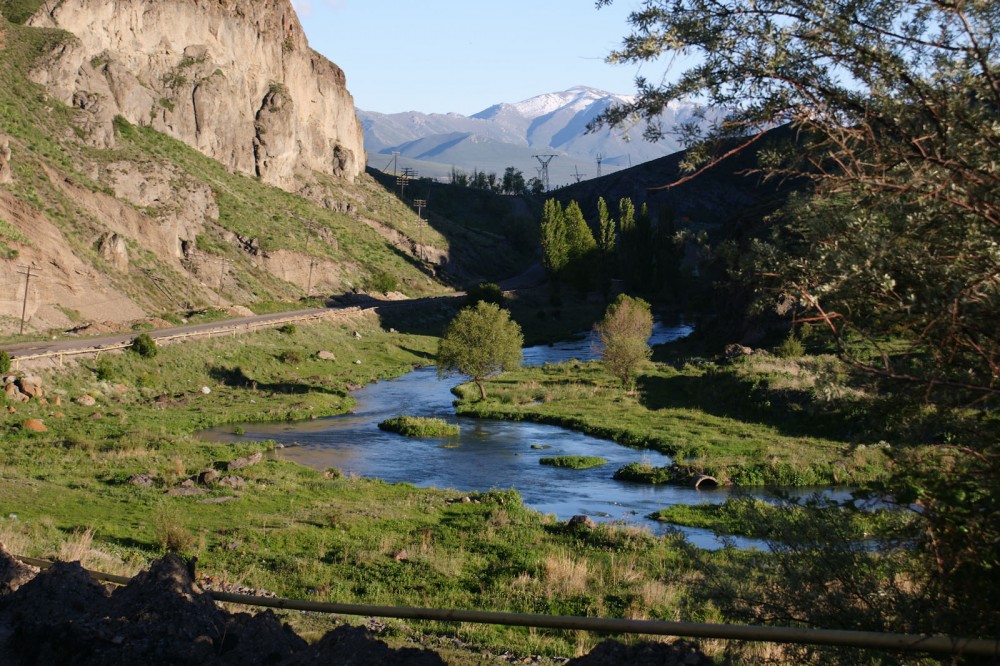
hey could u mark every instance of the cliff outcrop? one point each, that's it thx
(234, 79)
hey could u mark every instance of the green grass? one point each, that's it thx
(707, 417)
(574, 462)
(419, 426)
(754, 518)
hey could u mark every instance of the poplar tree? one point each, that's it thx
(555, 247)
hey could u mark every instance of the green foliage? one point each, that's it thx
(144, 345)
(382, 282)
(4, 362)
(555, 245)
(487, 292)
(291, 356)
(582, 259)
(419, 426)
(480, 342)
(171, 533)
(287, 329)
(574, 462)
(791, 347)
(643, 472)
(19, 11)
(624, 333)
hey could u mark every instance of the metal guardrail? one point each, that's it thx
(247, 327)
(842, 638)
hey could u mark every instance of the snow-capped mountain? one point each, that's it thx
(511, 134)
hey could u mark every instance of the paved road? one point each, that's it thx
(75, 344)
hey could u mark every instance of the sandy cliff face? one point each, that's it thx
(235, 79)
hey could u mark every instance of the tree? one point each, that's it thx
(894, 109)
(513, 182)
(624, 334)
(555, 247)
(581, 248)
(481, 342)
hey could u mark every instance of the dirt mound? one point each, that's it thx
(62, 616)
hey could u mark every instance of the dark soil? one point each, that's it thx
(63, 616)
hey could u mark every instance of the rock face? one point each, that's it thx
(234, 79)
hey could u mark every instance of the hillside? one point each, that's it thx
(124, 210)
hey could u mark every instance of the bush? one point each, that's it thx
(791, 347)
(486, 292)
(144, 345)
(382, 282)
(287, 329)
(419, 426)
(290, 356)
(4, 362)
(170, 532)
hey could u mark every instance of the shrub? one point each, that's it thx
(486, 292)
(574, 462)
(419, 426)
(170, 532)
(287, 329)
(791, 347)
(382, 282)
(4, 362)
(144, 345)
(290, 356)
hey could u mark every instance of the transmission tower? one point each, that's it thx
(600, 158)
(544, 161)
(577, 174)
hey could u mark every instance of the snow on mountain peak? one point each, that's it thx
(577, 98)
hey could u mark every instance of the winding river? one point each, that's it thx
(488, 454)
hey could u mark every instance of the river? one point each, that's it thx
(488, 454)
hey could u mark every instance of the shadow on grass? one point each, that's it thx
(721, 394)
(237, 378)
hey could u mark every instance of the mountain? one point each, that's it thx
(163, 156)
(512, 134)
(234, 80)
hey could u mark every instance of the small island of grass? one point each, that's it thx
(419, 426)
(574, 462)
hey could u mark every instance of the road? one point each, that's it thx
(22, 349)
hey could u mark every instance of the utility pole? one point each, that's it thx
(401, 180)
(223, 262)
(420, 204)
(26, 272)
(544, 161)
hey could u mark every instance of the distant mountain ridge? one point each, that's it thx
(510, 134)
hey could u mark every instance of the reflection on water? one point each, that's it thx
(487, 454)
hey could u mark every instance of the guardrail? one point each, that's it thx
(234, 330)
(842, 638)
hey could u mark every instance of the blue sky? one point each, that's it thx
(439, 56)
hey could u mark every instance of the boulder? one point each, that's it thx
(86, 400)
(582, 521)
(326, 355)
(245, 461)
(208, 477)
(144, 480)
(34, 425)
(31, 386)
(233, 481)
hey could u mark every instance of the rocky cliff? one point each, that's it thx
(234, 79)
